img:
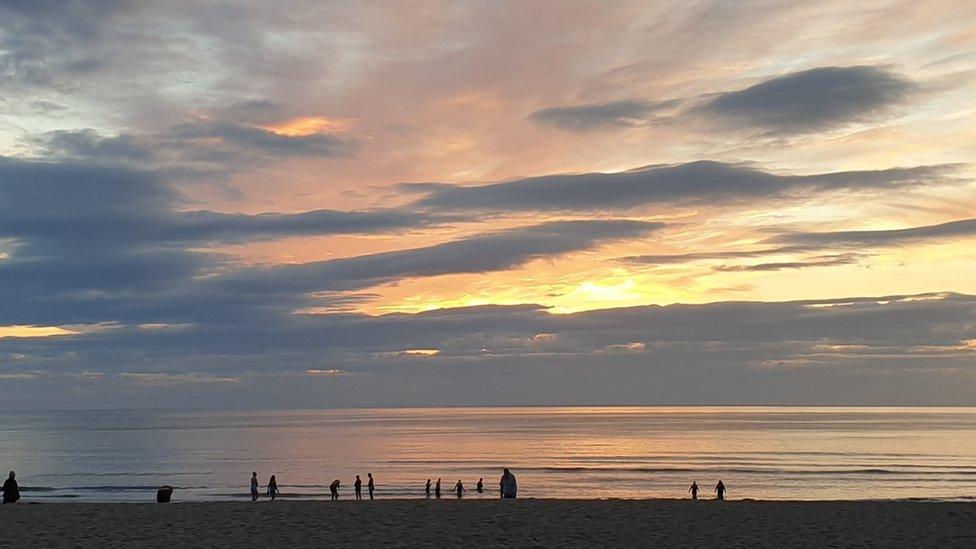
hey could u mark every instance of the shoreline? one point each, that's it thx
(494, 522)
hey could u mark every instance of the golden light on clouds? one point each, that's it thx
(310, 125)
(34, 331)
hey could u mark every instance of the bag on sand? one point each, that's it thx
(163, 494)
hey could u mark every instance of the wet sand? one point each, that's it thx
(521, 523)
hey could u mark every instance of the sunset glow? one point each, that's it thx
(381, 206)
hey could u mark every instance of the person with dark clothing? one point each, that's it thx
(11, 492)
(254, 486)
(459, 488)
(272, 488)
(358, 486)
(508, 486)
(334, 489)
(427, 488)
(369, 484)
(437, 489)
(480, 487)
(720, 490)
(694, 490)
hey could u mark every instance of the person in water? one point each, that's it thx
(358, 486)
(11, 492)
(459, 488)
(369, 484)
(272, 488)
(334, 489)
(254, 486)
(720, 490)
(694, 490)
(480, 487)
(437, 489)
(427, 489)
(508, 485)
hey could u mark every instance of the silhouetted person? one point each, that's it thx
(437, 489)
(508, 485)
(480, 487)
(272, 488)
(459, 488)
(358, 486)
(254, 486)
(720, 490)
(11, 492)
(369, 484)
(427, 488)
(694, 490)
(334, 488)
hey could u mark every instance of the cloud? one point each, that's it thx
(702, 182)
(820, 261)
(891, 237)
(91, 243)
(592, 116)
(222, 146)
(493, 251)
(832, 351)
(89, 145)
(667, 259)
(811, 100)
(233, 135)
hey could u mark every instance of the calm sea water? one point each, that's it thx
(622, 452)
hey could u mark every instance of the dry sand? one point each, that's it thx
(521, 523)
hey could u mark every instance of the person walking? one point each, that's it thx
(11, 491)
(358, 486)
(369, 484)
(254, 487)
(427, 489)
(272, 488)
(720, 490)
(334, 489)
(437, 489)
(694, 490)
(459, 488)
(508, 485)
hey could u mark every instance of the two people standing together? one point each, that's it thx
(272, 487)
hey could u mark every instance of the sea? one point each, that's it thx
(767, 453)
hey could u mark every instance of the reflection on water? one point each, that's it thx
(627, 452)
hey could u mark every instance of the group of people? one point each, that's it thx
(508, 487)
(357, 486)
(719, 490)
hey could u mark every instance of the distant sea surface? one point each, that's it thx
(585, 452)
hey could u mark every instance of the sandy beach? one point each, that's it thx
(522, 523)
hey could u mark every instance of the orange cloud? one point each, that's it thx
(310, 125)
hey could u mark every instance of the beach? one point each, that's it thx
(518, 523)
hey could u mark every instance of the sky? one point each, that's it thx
(324, 204)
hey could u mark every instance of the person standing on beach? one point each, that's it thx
(459, 488)
(334, 489)
(480, 487)
(694, 490)
(272, 488)
(437, 489)
(358, 486)
(508, 485)
(720, 490)
(11, 492)
(254, 486)
(427, 489)
(369, 484)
